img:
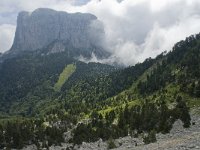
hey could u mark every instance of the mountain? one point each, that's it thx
(48, 97)
(58, 94)
(77, 33)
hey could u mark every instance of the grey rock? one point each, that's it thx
(67, 136)
(178, 139)
(197, 147)
(44, 26)
(57, 47)
(30, 147)
(191, 146)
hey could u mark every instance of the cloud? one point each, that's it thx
(6, 36)
(135, 29)
(139, 29)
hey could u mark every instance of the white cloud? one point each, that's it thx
(6, 36)
(135, 29)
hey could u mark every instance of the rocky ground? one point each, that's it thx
(179, 138)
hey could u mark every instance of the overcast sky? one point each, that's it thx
(135, 29)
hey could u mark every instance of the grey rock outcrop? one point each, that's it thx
(42, 27)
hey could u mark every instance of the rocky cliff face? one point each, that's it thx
(43, 27)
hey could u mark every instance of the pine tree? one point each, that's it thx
(183, 111)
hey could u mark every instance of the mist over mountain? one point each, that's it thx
(59, 31)
(135, 30)
(57, 90)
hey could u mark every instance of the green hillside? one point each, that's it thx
(144, 99)
(66, 73)
(28, 82)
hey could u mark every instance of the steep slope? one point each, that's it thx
(53, 91)
(32, 77)
(88, 87)
(59, 31)
(172, 74)
(46, 41)
(179, 67)
(140, 101)
(156, 99)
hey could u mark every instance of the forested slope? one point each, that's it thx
(108, 102)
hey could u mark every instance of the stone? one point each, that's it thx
(191, 146)
(58, 31)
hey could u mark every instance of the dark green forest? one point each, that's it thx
(97, 100)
